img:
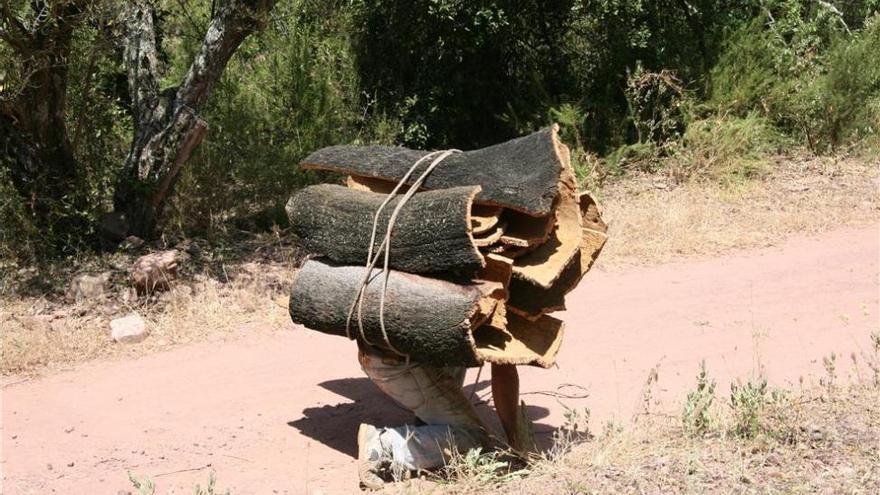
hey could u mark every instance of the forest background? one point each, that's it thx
(692, 89)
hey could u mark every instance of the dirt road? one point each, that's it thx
(278, 414)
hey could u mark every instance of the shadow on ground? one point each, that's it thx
(336, 425)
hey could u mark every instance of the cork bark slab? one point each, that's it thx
(511, 252)
(432, 232)
(483, 218)
(521, 174)
(591, 213)
(545, 264)
(524, 230)
(372, 185)
(490, 237)
(532, 301)
(522, 342)
(429, 319)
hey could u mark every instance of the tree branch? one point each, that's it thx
(232, 23)
(12, 30)
(141, 59)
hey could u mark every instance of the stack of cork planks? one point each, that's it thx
(479, 256)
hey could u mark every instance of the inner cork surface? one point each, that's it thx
(521, 342)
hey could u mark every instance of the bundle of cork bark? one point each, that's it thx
(479, 255)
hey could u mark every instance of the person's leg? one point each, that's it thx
(435, 395)
(505, 395)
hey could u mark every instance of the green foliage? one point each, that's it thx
(842, 104)
(756, 409)
(482, 468)
(803, 68)
(655, 105)
(210, 488)
(705, 88)
(697, 416)
(630, 157)
(144, 486)
(727, 147)
(19, 237)
(289, 90)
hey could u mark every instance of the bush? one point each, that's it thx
(727, 147)
(697, 417)
(804, 70)
(759, 409)
(842, 103)
(288, 91)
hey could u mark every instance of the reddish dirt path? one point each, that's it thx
(278, 414)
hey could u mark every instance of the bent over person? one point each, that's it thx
(445, 258)
(446, 420)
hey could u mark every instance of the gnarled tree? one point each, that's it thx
(168, 126)
(34, 143)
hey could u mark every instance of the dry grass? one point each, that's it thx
(211, 301)
(236, 286)
(652, 220)
(825, 439)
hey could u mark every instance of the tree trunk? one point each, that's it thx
(168, 125)
(33, 133)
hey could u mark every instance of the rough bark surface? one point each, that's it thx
(521, 174)
(168, 126)
(428, 319)
(545, 264)
(431, 234)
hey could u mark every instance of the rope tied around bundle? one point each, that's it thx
(385, 248)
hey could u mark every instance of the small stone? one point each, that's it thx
(69, 429)
(155, 271)
(194, 250)
(132, 242)
(49, 466)
(129, 329)
(70, 464)
(88, 287)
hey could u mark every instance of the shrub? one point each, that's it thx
(842, 104)
(290, 90)
(803, 69)
(759, 410)
(727, 147)
(697, 415)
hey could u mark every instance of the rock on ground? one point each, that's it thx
(129, 329)
(155, 271)
(88, 287)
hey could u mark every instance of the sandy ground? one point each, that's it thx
(278, 413)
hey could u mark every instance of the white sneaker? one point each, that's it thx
(369, 457)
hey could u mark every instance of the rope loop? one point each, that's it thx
(385, 248)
